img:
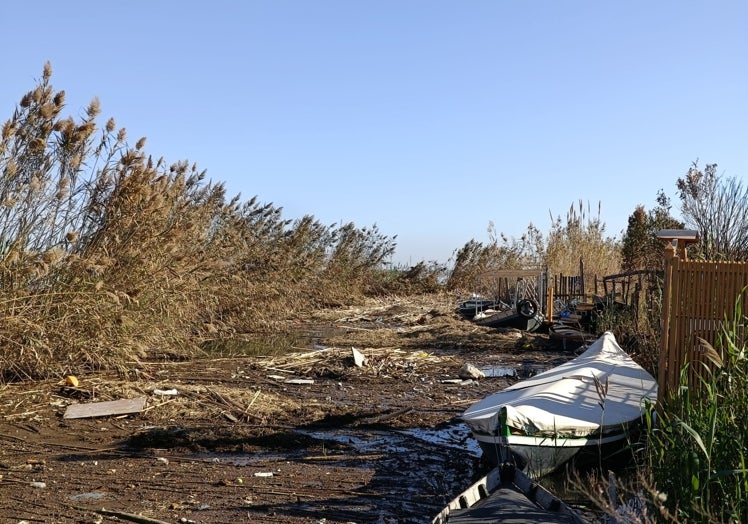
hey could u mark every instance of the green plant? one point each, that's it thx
(698, 447)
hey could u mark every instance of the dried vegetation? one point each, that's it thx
(109, 257)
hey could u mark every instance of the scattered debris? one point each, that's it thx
(380, 411)
(378, 361)
(469, 371)
(459, 381)
(358, 358)
(378, 419)
(299, 381)
(91, 495)
(165, 392)
(102, 409)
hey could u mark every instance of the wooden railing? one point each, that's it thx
(567, 288)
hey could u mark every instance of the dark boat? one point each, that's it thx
(506, 494)
(470, 308)
(526, 316)
(569, 336)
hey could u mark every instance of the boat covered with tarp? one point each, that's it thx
(589, 409)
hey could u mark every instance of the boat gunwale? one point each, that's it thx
(507, 474)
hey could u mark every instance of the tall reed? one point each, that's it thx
(580, 236)
(699, 446)
(109, 257)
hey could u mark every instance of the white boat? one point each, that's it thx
(589, 409)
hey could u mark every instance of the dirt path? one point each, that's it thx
(307, 437)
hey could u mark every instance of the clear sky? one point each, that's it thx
(428, 118)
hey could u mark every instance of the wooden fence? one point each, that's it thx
(699, 297)
(568, 288)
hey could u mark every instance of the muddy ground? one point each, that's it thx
(304, 435)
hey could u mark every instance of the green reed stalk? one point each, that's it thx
(698, 448)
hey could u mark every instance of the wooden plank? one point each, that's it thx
(103, 409)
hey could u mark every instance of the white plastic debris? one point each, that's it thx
(165, 392)
(358, 358)
(470, 371)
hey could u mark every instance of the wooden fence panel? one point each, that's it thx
(567, 288)
(699, 298)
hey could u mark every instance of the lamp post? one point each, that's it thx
(679, 239)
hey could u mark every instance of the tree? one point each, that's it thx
(641, 248)
(718, 209)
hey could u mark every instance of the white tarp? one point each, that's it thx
(564, 401)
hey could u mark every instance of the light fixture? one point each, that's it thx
(679, 238)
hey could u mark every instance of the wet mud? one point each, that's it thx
(302, 435)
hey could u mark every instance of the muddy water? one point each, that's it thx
(411, 472)
(454, 436)
(270, 344)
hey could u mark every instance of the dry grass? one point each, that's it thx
(379, 361)
(581, 237)
(108, 257)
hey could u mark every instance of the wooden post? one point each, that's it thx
(666, 365)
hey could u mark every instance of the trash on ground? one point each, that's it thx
(299, 381)
(358, 358)
(102, 409)
(470, 371)
(165, 392)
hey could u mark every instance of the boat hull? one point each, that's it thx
(569, 337)
(510, 319)
(506, 494)
(540, 456)
(588, 410)
(471, 308)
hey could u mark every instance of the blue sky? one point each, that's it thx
(430, 119)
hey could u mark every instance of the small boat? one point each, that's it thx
(588, 410)
(525, 316)
(569, 336)
(506, 494)
(476, 305)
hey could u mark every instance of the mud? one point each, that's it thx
(303, 435)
